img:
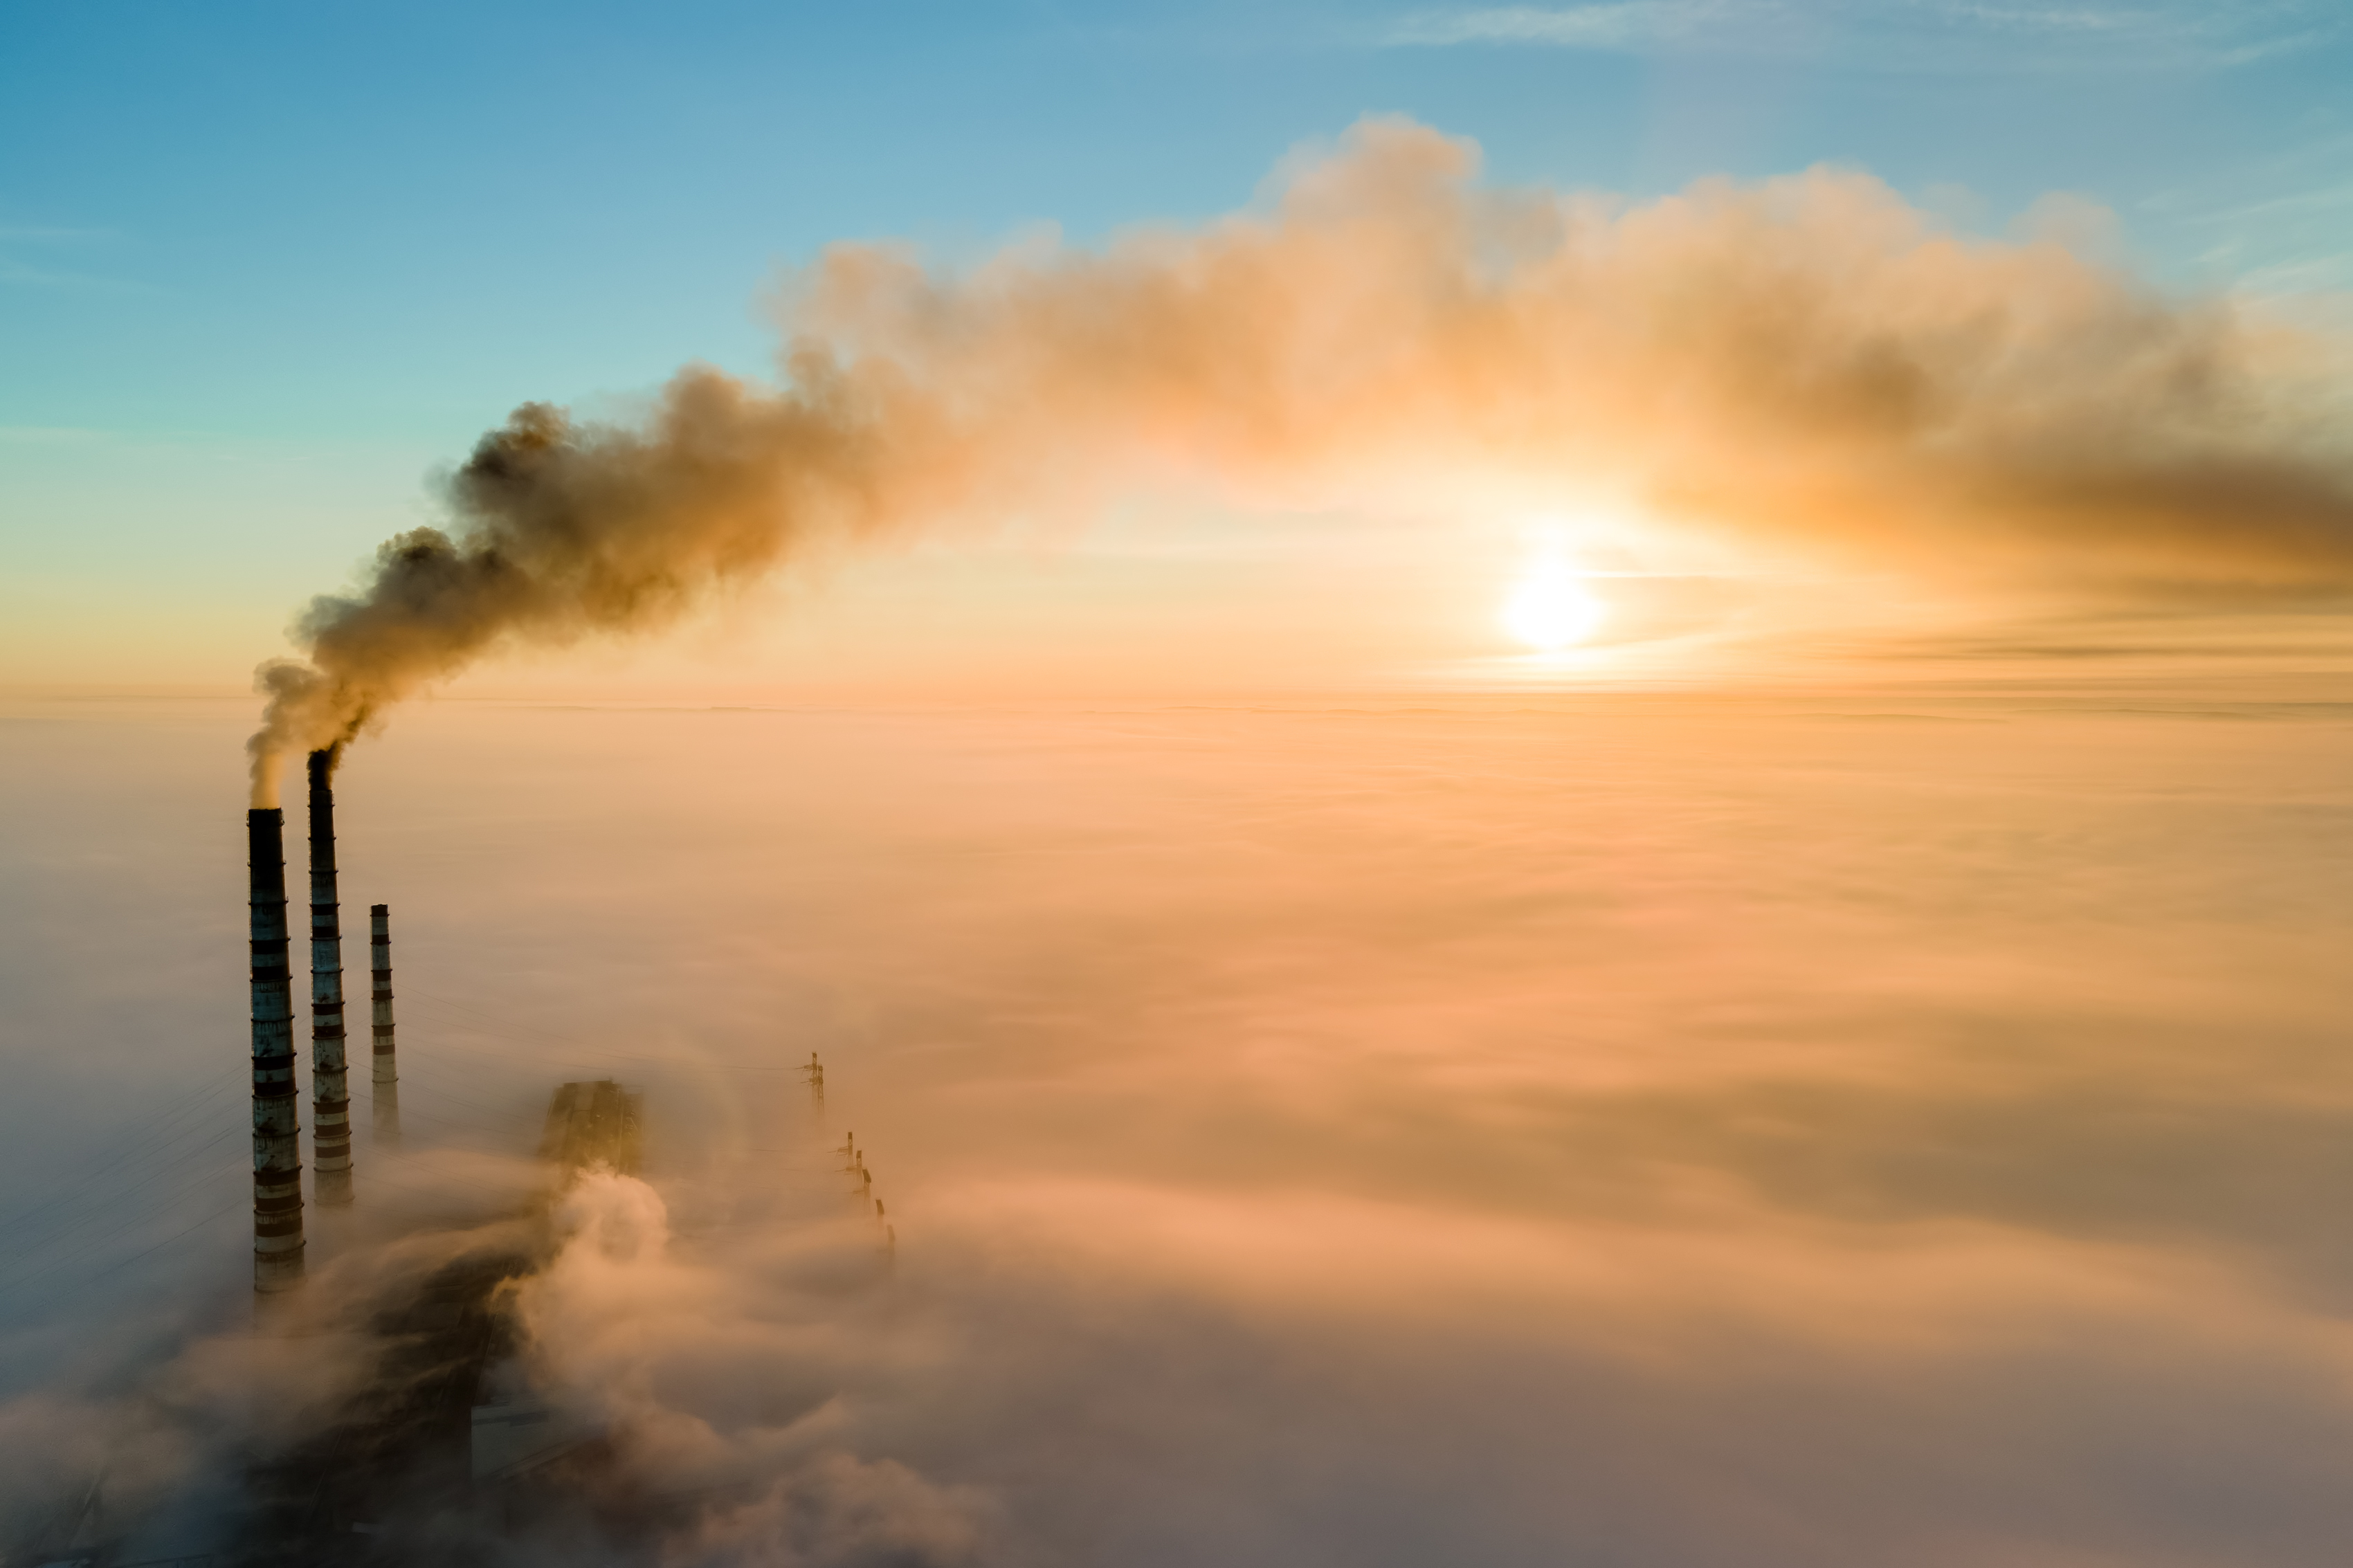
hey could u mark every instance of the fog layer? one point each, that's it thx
(1880, 1127)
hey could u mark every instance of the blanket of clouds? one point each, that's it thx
(1820, 1129)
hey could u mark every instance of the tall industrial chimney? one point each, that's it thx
(387, 1075)
(330, 1106)
(277, 1116)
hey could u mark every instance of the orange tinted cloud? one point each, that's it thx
(1805, 364)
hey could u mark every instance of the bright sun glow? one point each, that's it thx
(1553, 609)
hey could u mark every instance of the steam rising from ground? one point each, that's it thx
(1807, 363)
(732, 1375)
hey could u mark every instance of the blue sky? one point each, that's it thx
(262, 266)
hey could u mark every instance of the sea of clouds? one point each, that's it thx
(1817, 1128)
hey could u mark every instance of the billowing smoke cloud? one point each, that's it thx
(1808, 362)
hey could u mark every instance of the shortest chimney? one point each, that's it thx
(386, 1079)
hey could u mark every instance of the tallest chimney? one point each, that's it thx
(331, 1108)
(277, 1115)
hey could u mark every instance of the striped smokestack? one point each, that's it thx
(330, 1106)
(387, 1072)
(277, 1115)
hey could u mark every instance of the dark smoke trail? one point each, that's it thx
(561, 529)
(1809, 363)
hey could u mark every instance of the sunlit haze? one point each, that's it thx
(1553, 605)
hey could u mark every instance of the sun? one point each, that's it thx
(1552, 608)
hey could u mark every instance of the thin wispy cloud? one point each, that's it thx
(47, 234)
(1913, 34)
(33, 255)
(48, 434)
(2272, 228)
(1625, 24)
